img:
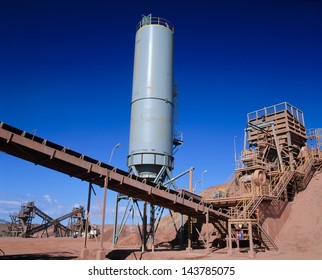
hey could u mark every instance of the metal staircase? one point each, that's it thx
(266, 239)
(277, 141)
(282, 183)
(306, 170)
(245, 209)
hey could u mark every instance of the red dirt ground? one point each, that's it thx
(297, 232)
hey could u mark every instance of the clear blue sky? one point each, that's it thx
(66, 71)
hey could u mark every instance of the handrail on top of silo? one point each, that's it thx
(155, 21)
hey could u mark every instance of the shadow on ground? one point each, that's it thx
(123, 254)
(36, 257)
(134, 254)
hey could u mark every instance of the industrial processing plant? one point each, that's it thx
(280, 161)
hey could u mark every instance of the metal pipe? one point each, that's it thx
(124, 219)
(115, 220)
(178, 176)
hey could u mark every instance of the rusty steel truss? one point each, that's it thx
(24, 145)
(275, 166)
(21, 224)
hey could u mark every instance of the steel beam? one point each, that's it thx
(40, 151)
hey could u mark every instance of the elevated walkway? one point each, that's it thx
(21, 144)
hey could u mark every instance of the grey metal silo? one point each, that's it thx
(151, 130)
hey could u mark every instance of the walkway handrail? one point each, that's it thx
(154, 21)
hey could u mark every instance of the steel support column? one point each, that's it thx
(229, 240)
(207, 230)
(100, 253)
(114, 240)
(144, 228)
(250, 237)
(87, 212)
(152, 222)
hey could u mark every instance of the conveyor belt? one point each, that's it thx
(32, 148)
(50, 221)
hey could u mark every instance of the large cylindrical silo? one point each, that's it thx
(151, 130)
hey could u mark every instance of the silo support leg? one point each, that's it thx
(152, 231)
(144, 228)
(115, 221)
